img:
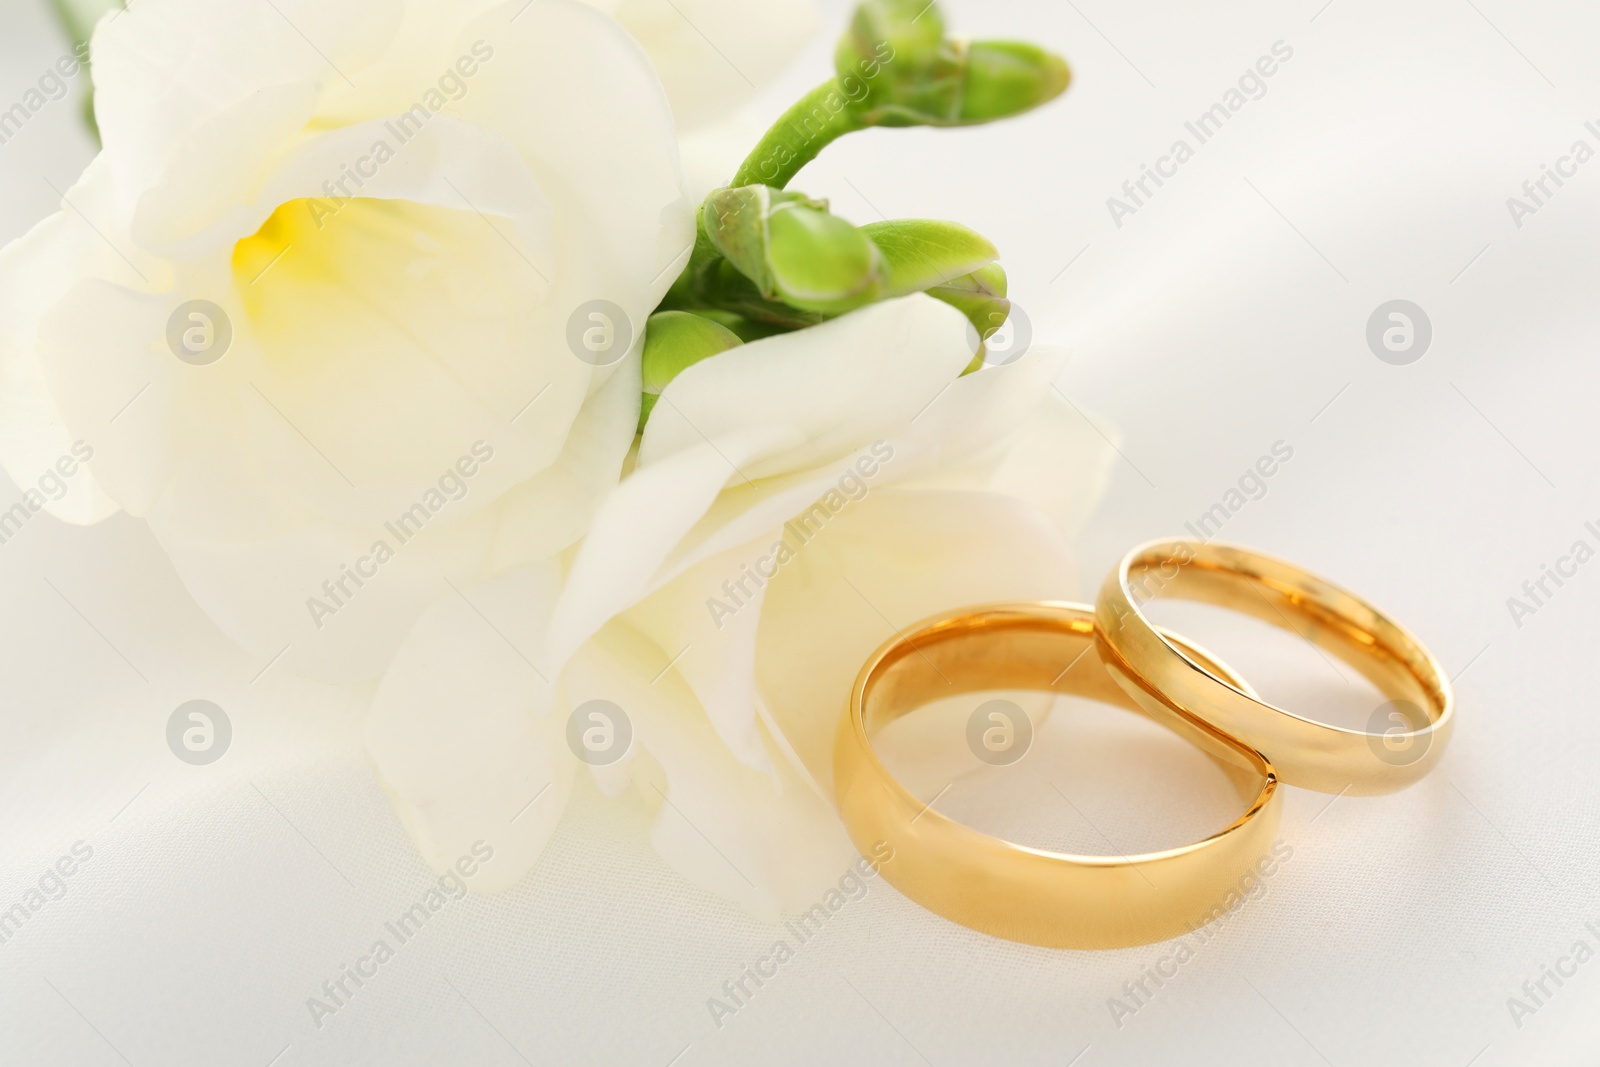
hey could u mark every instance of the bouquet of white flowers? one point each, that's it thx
(398, 323)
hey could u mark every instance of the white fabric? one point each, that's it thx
(1206, 328)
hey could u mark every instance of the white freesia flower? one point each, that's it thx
(393, 210)
(897, 489)
(320, 312)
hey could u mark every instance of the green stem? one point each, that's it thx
(686, 292)
(722, 288)
(816, 120)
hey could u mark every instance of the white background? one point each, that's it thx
(1227, 314)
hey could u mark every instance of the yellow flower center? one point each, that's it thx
(319, 272)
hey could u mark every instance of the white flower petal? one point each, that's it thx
(1058, 461)
(444, 163)
(838, 385)
(164, 68)
(767, 842)
(637, 525)
(712, 650)
(880, 566)
(213, 171)
(982, 409)
(789, 411)
(102, 345)
(36, 270)
(713, 55)
(1010, 429)
(461, 733)
(753, 513)
(550, 511)
(336, 602)
(375, 348)
(610, 167)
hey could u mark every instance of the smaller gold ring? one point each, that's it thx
(1405, 736)
(1010, 890)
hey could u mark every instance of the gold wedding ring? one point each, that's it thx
(1406, 736)
(1010, 890)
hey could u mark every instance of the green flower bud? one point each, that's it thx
(743, 327)
(923, 254)
(981, 297)
(949, 262)
(674, 341)
(910, 29)
(793, 250)
(898, 68)
(1005, 78)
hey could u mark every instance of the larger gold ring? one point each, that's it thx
(1405, 735)
(1010, 890)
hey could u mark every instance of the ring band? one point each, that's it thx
(1405, 736)
(1009, 890)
